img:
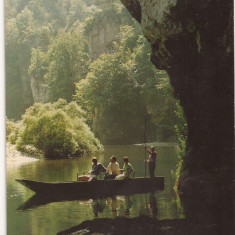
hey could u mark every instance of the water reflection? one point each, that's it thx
(57, 216)
(153, 206)
(98, 206)
(121, 206)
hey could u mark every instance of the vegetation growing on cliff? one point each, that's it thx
(120, 87)
(181, 131)
(65, 63)
(48, 57)
(106, 11)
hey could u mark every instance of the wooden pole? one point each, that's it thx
(145, 158)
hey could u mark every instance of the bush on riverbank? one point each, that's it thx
(58, 130)
(13, 130)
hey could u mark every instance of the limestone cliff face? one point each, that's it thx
(103, 33)
(101, 37)
(193, 42)
(39, 91)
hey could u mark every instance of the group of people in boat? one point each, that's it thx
(113, 170)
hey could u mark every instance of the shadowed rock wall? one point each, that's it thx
(193, 42)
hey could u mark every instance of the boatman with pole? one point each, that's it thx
(152, 154)
(152, 160)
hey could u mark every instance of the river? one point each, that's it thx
(54, 217)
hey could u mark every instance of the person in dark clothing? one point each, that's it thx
(152, 160)
(96, 169)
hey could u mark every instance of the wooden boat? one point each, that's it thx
(95, 188)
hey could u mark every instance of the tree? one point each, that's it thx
(58, 130)
(33, 24)
(121, 87)
(111, 93)
(68, 61)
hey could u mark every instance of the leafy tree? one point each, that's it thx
(36, 24)
(46, 51)
(58, 130)
(161, 104)
(111, 93)
(121, 87)
(39, 64)
(67, 63)
(21, 34)
(13, 7)
(15, 101)
(13, 130)
(33, 24)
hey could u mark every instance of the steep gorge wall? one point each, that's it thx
(101, 37)
(193, 42)
(104, 32)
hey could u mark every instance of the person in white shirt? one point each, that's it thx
(113, 169)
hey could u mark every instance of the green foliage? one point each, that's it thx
(12, 7)
(58, 130)
(13, 130)
(122, 86)
(21, 35)
(181, 131)
(111, 11)
(68, 61)
(65, 63)
(26, 26)
(46, 50)
(161, 104)
(110, 93)
(33, 24)
(39, 64)
(40, 25)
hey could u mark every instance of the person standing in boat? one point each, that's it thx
(151, 161)
(127, 169)
(113, 169)
(96, 169)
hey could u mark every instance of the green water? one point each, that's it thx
(58, 216)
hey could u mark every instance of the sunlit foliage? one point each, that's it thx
(47, 55)
(58, 130)
(34, 25)
(121, 87)
(181, 131)
(65, 63)
(13, 130)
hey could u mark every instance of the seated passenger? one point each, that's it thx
(113, 169)
(127, 169)
(96, 168)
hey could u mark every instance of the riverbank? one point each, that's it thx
(15, 156)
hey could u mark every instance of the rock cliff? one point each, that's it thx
(105, 30)
(193, 42)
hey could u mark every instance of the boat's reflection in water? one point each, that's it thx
(114, 204)
(121, 205)
(118, 205)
